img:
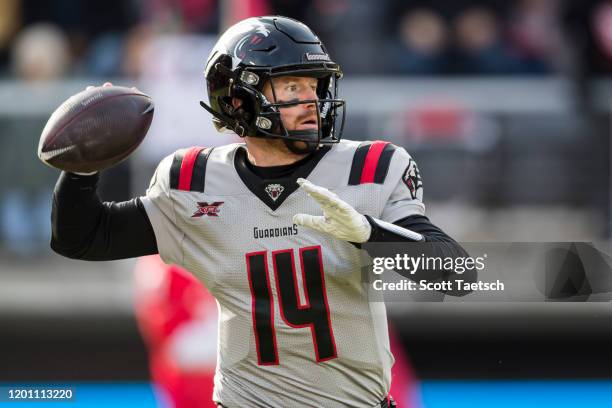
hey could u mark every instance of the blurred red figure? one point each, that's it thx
(177, 318)
(178, 321)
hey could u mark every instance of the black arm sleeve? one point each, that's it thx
(84, 227)
(421, 224)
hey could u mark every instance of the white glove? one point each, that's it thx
(339, 219)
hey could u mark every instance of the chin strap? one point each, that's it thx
(309, 135)
(232, 124)
(293, 147)
(212, 111)
(311, 142)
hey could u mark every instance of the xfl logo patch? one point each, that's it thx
(204, 208)
(412, 179)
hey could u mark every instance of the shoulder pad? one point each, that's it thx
(371, 162)
(188, 169)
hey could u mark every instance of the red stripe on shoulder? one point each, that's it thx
(371, 161)
(186, 172)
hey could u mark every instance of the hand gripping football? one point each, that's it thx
(96, 129)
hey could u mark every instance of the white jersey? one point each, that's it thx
(296, 327)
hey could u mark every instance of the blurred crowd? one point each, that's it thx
(56, 38)
(463, 37)
(477, 39)
(440, 37)
(46, 39)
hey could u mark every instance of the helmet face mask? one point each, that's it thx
(258, 51)
(328, 111)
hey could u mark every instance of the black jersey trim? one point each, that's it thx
(198, 174)
(198, 179)
(358, 162)
(258, 185)
(383, 164)
(175, 168)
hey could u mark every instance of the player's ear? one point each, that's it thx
(236, 103)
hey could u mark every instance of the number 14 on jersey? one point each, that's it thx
(313, 314)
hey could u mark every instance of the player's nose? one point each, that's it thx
(310, 95)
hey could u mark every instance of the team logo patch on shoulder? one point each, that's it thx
(412, 179)
(274, 191)
(211, 210)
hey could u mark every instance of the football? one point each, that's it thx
(96, 129)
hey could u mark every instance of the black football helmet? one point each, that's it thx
(253, 52)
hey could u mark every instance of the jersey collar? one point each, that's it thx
(273, 192)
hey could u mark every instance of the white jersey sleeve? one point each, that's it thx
(403, 187)
(159, 206)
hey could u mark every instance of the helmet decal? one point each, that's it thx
(252, 38)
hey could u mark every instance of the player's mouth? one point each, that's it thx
(310, 123)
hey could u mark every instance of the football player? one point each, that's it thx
(271, 226)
